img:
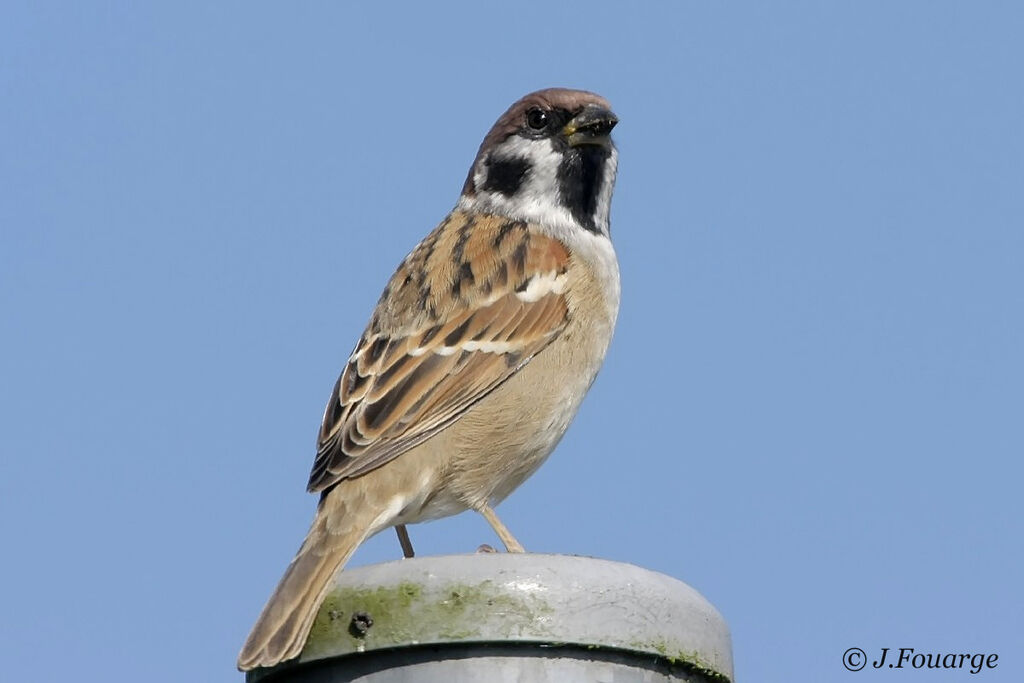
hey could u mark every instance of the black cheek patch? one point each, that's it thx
(505, 175)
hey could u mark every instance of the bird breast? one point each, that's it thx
(504, 438)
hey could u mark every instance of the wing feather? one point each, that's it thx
(441, 339)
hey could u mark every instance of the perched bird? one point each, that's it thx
(476, 358)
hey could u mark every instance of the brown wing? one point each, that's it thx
(469, 307)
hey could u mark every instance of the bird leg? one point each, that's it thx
(403, 538)
(511, 544)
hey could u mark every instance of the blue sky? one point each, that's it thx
(813, 409)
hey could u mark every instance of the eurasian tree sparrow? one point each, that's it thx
(476, 358)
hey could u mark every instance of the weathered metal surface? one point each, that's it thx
(500, 617)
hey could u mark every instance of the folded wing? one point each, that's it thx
(469, 307)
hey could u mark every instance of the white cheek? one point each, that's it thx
(602, 214)
(537, 199)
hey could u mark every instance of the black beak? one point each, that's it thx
(592, 126)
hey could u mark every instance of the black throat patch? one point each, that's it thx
(580, 177)
(505, 175)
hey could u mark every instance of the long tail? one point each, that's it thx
(282, 627)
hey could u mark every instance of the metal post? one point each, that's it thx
(510, 617)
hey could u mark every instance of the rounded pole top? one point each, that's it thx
(588, 605)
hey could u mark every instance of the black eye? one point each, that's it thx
(537, 119)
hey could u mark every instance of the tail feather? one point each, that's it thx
(282, 627)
